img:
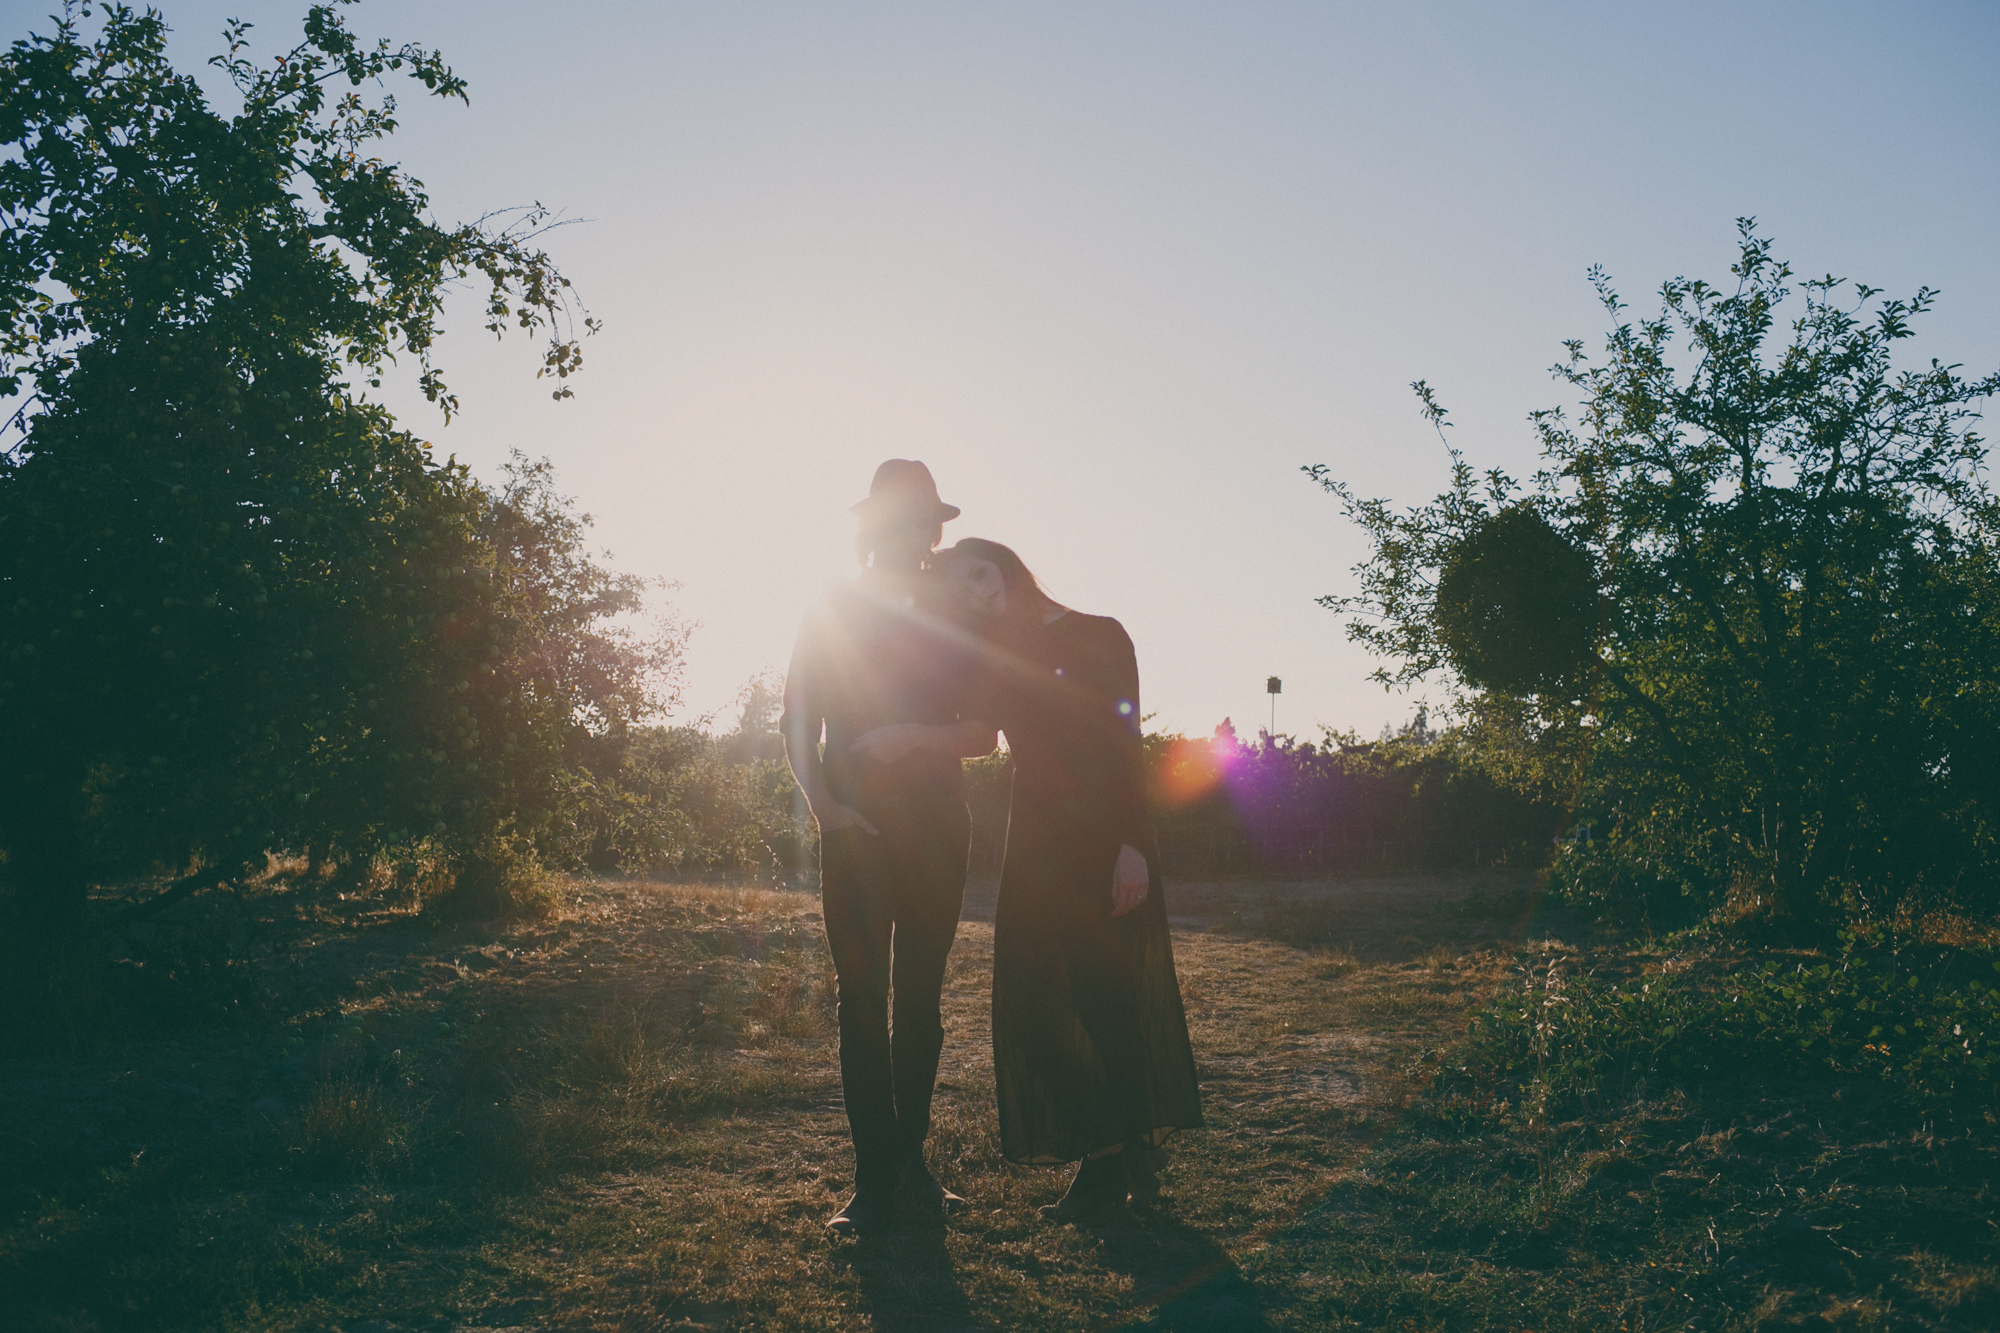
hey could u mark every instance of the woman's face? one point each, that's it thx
(978, 586)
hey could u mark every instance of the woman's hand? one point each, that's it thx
(831, 815)
(887, 744)
(1128, 881)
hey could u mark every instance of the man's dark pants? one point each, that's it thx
(891, 906)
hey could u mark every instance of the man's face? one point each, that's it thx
(906, 545)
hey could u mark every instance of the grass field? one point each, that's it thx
(297, 1110)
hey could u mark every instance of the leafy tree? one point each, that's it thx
(1790, 684)
(239, 608)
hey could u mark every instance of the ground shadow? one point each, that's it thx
(1397, 917)
(907, 1280)
(1182, 1279)
(1375, 922)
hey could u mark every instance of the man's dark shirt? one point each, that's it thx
(873, 654)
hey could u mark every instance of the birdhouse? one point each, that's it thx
(1272, 685)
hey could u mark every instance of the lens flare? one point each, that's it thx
(1187, 770)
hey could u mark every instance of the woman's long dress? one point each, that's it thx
(1090, 1043)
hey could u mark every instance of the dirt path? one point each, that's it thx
(629, 1117)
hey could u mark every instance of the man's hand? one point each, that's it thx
(1128, 881)
(887, 744)
(833, 815)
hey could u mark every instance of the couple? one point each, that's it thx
(919, 663)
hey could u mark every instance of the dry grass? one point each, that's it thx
(627, 1116)
(347, 1124)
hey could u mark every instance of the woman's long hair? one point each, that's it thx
(1024, 590)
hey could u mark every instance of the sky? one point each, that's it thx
(1116, 272)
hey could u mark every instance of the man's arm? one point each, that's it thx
(965, 739)
(801, 726)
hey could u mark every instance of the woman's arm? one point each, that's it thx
(1127, 796)
(967, 739)
(1130, 878)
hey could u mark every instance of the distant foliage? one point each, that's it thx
(989, 787)
(1282, 804)
(682, 801)
(1790, 692)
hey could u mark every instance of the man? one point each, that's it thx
(893, 829)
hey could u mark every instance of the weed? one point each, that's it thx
(348, 1125)
(795, 996)
(611, 1054)
(144, 981)
(1331, 961)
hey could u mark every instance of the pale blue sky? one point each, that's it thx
(1115, 271)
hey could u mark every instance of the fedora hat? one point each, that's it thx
(903, 490)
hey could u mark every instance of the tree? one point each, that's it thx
(240, 608)
(1790, 685)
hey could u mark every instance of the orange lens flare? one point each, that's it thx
(1187, 770)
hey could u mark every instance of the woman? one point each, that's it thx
(1090, 1047)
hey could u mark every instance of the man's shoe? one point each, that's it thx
(926, 1189)
(1096, 1193)
(868, 1210)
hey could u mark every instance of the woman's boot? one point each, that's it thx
(1096, 1191)
(1143, 1164)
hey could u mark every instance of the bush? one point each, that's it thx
(1566, 1040)
(1642, 871)
(503, 878)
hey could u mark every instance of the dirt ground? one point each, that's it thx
(299, 1110)
(433, 1020)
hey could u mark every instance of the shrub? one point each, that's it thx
(1566, 1039)
(503, 878)
(1643, 869)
